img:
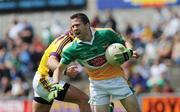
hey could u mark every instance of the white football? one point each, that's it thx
(112, 50)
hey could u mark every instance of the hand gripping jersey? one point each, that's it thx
(91, 54)
(55, 49)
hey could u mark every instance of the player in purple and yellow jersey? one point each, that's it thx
(45, 91)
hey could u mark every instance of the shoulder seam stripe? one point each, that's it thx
(61, 46)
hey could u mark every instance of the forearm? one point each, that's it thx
(56, 76)
(52, 63)
(128, 45)
(58, 72)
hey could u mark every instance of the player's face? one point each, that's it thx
(79, 28)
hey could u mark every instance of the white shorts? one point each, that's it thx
(39, 90)
(102, 90)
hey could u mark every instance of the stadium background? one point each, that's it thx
(153, 27)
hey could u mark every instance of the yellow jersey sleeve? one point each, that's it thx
(55, 49)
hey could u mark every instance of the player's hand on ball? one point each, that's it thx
(53, 92)
(117, 54)
(122, 57)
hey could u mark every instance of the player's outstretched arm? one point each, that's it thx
(58, 72)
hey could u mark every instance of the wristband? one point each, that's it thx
(127, 55)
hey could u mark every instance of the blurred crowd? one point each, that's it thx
(157, 42)
(20, 53)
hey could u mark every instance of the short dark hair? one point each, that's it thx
(81, 16)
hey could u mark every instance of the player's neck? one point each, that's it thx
(88, 36)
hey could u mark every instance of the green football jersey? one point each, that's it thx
(91, 54)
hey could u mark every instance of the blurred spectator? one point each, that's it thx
(6, 87)
(4, 71)
(176, 49)
(129, 30)
(96, 21)
(36, 50)
(167, 87)
(172, 26)
(136, 34)
(143, 69)
(150, 53)
(147, 34)
(47, 36)
(156, 88)
(110, 22)
(25, 60)
(158, 75)
(137, 30)
(157, 32)
(164, 48)
(15, 28)
(161, 14)
(56, 29)
(138, 83)
(17, 87)
(27, 33)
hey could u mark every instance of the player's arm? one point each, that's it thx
(54, 56)
(129, 46)
(52, 62)
(55, 87)
(67, 56)
(64, 62)
(58, 72)
(121, 39)
(117, 38)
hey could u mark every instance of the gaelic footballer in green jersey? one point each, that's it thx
(89, 50)
(91, 54)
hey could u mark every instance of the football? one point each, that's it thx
(112, 50)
